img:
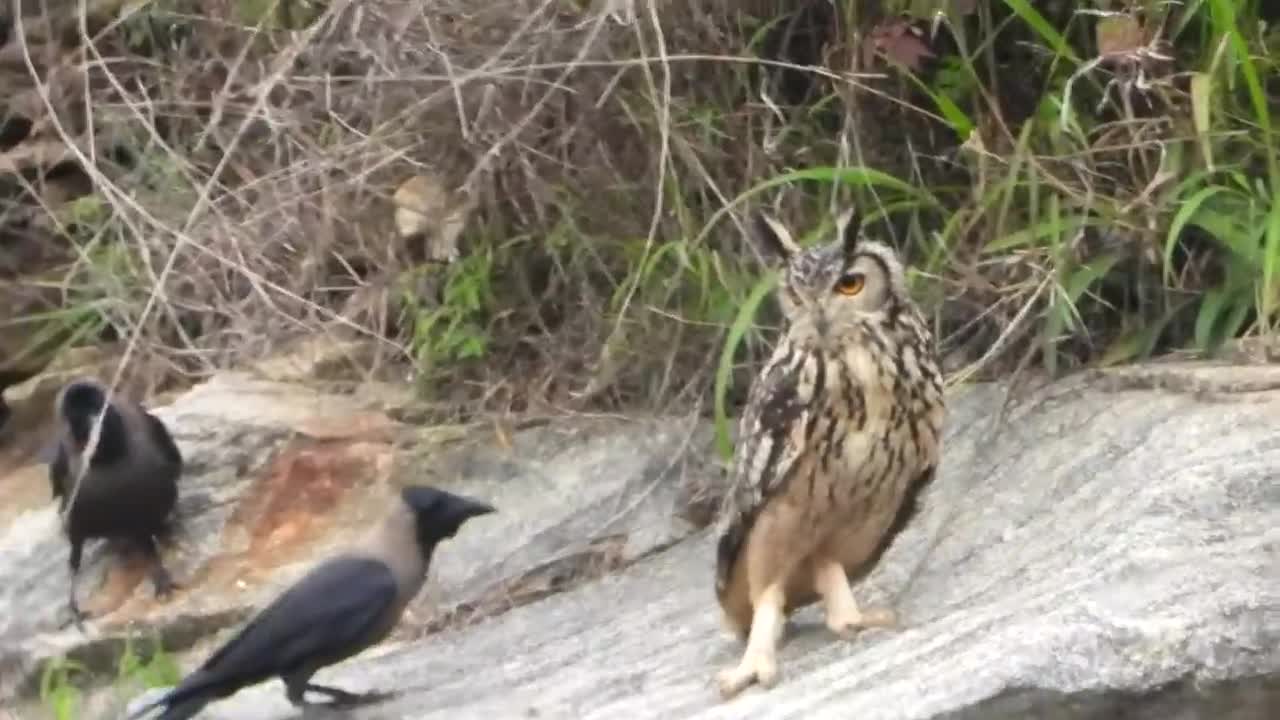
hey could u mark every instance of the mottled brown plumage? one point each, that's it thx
(841, 431)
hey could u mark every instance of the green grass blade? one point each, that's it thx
(1139, 343)
(724, 371)
(1224, 16)
(1201, 111)
(959, 121)
(1086, 275)
(1043, 28)
(1038, 231)
(1213, 305)
(1180, 219)
(1271, 260)
(846, 176)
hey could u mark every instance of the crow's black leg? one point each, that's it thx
(160, 577)
(297, 686)
(343, 698)
(77, 615)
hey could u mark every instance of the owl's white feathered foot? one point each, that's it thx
(755, 668)
(759, 664)
(844, 617)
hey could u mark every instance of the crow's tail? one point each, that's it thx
(185, 700)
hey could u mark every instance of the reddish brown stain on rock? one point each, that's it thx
(309, 492)
(23, 489)
(298, 494)
(127, 569)
(372, 426)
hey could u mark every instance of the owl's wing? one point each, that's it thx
(771, 438)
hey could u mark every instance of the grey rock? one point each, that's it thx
(279, 475)
(33, 551)
(1084, 552)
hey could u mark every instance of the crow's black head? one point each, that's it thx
(79, 405)
(440, 513)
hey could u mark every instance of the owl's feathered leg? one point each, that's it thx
(759, 662)
(844, 617)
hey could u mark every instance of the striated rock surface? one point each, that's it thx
(1108, 545)
(278, 475)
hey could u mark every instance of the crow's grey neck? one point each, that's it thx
(394, 542)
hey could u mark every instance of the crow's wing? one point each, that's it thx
(59, 470)
(162, 438)
(328, 613)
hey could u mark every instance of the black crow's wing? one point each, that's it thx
(332, 609)
(59, 469)
(162, 438)
(327, 613)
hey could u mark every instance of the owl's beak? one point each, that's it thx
(820, 322)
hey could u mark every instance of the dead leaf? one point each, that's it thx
(899, 42)
(502, 433)
(40, 154)
(1120, 35)
(417, 200)
(1201, 112)
(424, 208)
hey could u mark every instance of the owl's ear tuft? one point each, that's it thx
(775, 236)
(849, 228)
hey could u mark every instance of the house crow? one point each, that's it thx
(130, 484)
(339, 608)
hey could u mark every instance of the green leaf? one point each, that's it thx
(1239, 311)
(1085, 275)
(724, 371)
(1045, 229)
(1180, 219)
(1224, 16)
(1271, 259)
(955, 117)
(845, 176)
(1211, 307)
(1224, 309)
(1138, 343)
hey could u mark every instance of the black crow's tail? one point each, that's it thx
(185, 700)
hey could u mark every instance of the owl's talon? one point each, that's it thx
(76, 616)
(755, 668)
(847, 625)
(164, 587)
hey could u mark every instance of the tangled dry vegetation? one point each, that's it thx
(536, 203)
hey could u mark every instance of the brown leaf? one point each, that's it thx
(39, 154)
(1120, 35)
(898, 42)
(423, 207)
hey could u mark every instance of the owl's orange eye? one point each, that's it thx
(851, 284)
